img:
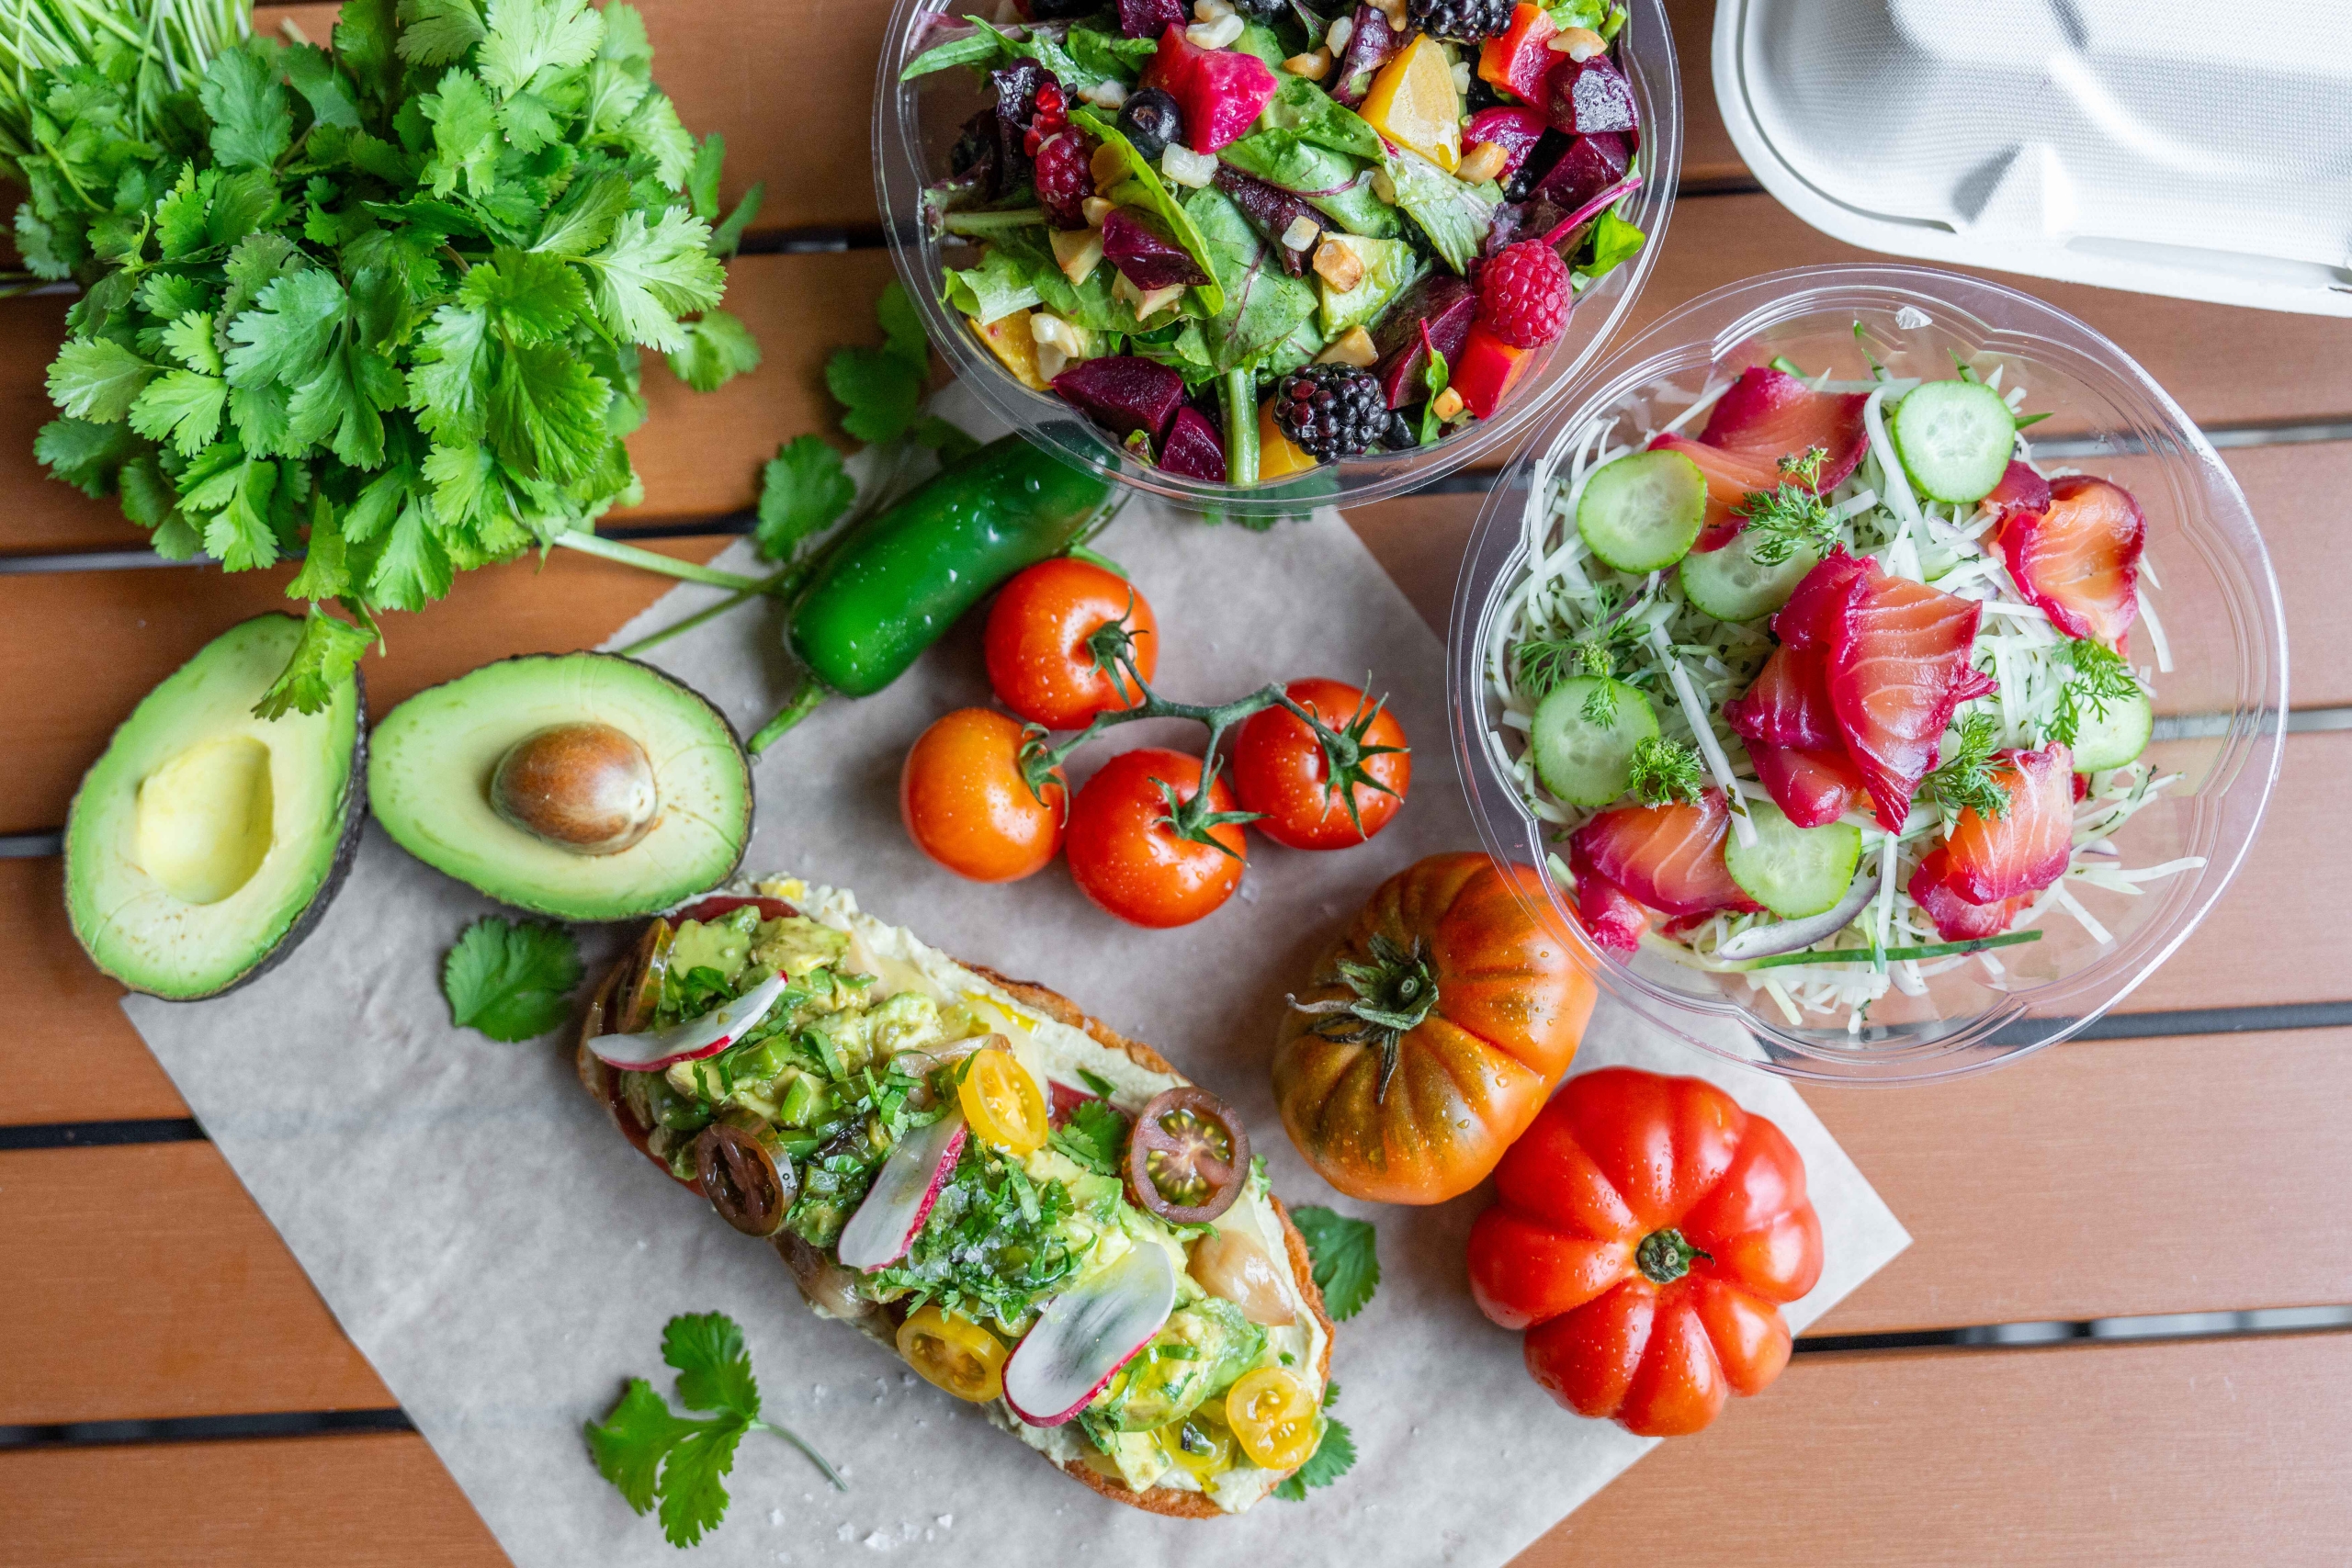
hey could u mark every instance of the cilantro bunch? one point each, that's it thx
(380, 306)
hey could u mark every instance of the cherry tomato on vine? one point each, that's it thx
(1279, 768)
(1126, 857)
(1039, 661)
(966, 805)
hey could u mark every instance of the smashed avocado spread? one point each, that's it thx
(871, 1042)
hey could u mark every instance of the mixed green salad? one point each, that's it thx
(1843, 686)
(1248, 238)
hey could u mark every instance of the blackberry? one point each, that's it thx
(1462, 21)
(1331, 411)
(1399, 435)
(1266, 11)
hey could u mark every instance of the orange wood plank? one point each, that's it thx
(357, 1502)
(1708, 156)
(175, 1295)
(70, 1055)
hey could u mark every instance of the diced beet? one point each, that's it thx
(1567, 235)
(1142, 18)
(1446, 306)
(1270, 210)
(1168, 69)
(1369, 47)
(1515, 130)
(1590, 166)
(1548, 151)
(1124, 393)
(1192, 448)
(1586, 97)
(1223, 95)
(1148, 258)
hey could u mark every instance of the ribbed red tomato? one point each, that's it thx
(1647, 1232)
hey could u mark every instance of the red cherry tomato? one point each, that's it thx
(1279, 771)
(1124, 855)
(967, 806)
(1038, 661)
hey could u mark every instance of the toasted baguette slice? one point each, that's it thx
(820, 1280)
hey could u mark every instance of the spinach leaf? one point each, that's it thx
(1111, 54)
(1142, 189)
(1332, 183)
(1454, 215)
(1264, 305)
(1613, 240)
(1313, 114)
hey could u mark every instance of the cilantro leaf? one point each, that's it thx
(902, 327)
(645, 277)
(96, 378)
(879, 390)
(252, 121)
(438, 32)
(719, 348)
(324, 660)
(1095, 1135)
(654, 1456)
(527, 37)
(182, 406)
(803, 489)
(84, 454)
(512, 982)
(1346, 1266)
(1334, 1455)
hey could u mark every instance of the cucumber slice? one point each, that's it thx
(1731, 584)
(1642, 511)
(1793, 871)
(1583, 762)
(1955, 439)
(2112, 738)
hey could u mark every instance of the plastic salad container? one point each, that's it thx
(919, 122)
(2126, 867)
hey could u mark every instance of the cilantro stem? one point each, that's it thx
(1239, 395)
(804, 702)
(1867, 955)
(779, 584)
(789, 1436)
(649, 560)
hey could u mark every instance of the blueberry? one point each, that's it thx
(1150, 120)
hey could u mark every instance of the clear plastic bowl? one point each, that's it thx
(915, 125)
(2219, 710)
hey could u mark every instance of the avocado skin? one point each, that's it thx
(354, 817)
(742, 763)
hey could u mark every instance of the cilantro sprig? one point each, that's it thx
(657, 1457)
(1346, 1265)
(512, 982)
(380, 306)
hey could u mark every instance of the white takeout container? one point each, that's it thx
(2156, 145)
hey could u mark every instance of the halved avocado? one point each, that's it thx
(205, 843)
(581, 786)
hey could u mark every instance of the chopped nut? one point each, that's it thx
(1158, 299)
(1338, 266)
(1047, 329)
(1314, 67)
(1393, 10)
(1108, 93)
(1214, 35)
(1353, 346)
(1446, 404)
(1096, 209)
(1051, 359)
(1185, 167)
(1461, 78)
(1079, 251)
(1211, 10)
(1484, 161)
(1579, 44)
(1107, 167)
(1336, 36)
(1302, 232)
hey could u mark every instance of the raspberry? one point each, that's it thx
(1523, 294)
(1064, 179)
(1331, 411)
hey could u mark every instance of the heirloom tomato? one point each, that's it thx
(1646, 1232)
(1427, 1039)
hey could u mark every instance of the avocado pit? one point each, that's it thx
(586, 788)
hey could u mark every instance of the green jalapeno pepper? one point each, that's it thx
(894, 583)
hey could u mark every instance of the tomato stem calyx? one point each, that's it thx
(1665, 1257)
(1392, 994)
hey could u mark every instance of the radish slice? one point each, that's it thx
(1086, 1334)
(693, 1040)
(886, 1223)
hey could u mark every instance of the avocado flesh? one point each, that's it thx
(432, 758)
(205, 840)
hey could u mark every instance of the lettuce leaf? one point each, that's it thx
(998, 287)
(1312, 115)
(1454, 215)
(1263, 305)
(1332, 183)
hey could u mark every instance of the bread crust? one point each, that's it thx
(1165, 1501)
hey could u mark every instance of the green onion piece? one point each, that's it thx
(1892, 955)
(1241, 397)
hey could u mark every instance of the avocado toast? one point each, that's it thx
(1110, 1279)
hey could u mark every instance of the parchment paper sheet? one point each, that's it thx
(504, 1259)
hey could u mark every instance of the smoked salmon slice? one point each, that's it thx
(2024, 849)
(1669, 857)
(1771, 415)
(1898, 662)
(1812, 788)
(1611, 918)
(1788, 704)
(2078, 560)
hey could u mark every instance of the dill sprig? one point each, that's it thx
(1805, 467)
(2100, 677)
(1784, 519)
(1665, 770)
(1542, 663)
(1970, 780)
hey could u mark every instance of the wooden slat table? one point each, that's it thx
(2189, 1158)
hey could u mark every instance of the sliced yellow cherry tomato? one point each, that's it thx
(1002, 1102)
(1272, 1415)
(1200, 1443)
(954, 1353)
